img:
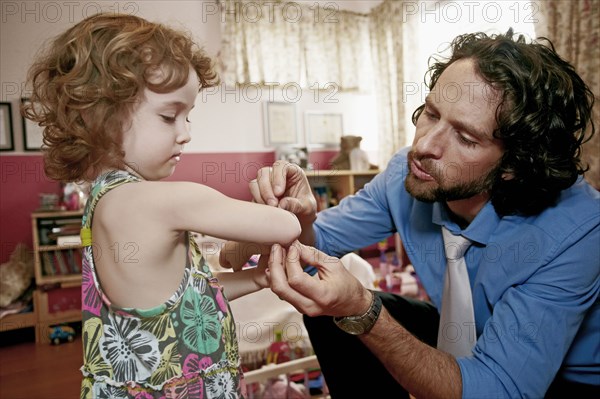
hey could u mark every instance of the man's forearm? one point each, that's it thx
(422, 370)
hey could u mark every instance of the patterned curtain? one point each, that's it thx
(573, 26)
(387, 47)
(268, 42)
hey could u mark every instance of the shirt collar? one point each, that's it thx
(479, 230)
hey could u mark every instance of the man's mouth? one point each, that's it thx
(418, 171)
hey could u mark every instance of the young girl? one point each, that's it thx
(113, 94)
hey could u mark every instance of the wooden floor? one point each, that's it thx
(30, 371)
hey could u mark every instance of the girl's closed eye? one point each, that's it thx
(168, 118)
(171, 119)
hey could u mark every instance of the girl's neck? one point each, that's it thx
(134, 172)
(126, 168)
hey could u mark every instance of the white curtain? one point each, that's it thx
(276, 43)
(387, 47)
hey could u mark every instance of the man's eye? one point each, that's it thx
(430, 115)
(169, 119)
(466, 141)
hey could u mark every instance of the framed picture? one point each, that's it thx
(323, 129)
(6, 127)
(280, 124)
(32, 133)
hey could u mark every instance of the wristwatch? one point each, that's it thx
(357, 325)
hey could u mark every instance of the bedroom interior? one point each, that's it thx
(296, 78)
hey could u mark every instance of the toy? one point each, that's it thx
(351, 157)
(15, 275)
(61, 334)
(279, 351)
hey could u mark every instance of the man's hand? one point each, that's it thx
(285, 185)
(336, 292)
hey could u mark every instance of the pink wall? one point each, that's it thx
(22, 179)
(228, 173)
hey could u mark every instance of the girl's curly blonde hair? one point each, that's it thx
(85, 83)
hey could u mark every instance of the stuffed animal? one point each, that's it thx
(347, 144)
(351, 157)
(15, 275)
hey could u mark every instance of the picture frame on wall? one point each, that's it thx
(32, 133)
(7, 142)
(280, 124)
(323, 129)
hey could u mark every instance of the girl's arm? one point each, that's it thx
(184, 206)
(244, 282)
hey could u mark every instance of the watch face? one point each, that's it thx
(351, 326)
(357, 325)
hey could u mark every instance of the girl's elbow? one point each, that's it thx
(291, 232)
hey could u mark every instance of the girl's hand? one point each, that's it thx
(234, 255)
(260, 274)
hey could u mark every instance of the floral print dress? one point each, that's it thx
(185, 348)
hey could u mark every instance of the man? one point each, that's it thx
(495, 159)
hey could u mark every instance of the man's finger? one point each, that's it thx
(314, 257)
(279, 281)
(264, 180)
(255, 192)
(282, 173)
(291, 204)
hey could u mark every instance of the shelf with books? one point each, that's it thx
(53, 262)
(330, 186)
(57, 261)
(57, 266)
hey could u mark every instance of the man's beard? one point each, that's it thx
(459, 191)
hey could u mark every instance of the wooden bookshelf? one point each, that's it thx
(57, 269)
(18, 321)
(330, 186)
(337, 184)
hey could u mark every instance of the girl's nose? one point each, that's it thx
(184, 135)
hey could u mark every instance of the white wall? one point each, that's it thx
(222, 121)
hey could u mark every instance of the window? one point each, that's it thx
(433, 25)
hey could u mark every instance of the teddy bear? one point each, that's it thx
(351, 157)
(15, 275)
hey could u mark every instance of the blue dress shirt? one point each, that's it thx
(535, 280)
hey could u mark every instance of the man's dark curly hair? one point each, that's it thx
(542, 117)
